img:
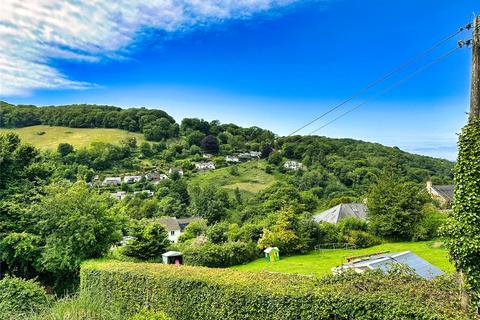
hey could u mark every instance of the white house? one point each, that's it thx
(119, 195)
(132, 179)
(231, 159)
(112, 181)
(255, 154)
(147, 192)
(204, 166)
(175, 227)
(244, 155)
(179, 171)
(293, 165)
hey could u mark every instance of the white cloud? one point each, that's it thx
(34, 32)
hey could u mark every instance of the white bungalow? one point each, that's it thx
(293, 165)
(112, 181)
(205, 166)
(119, 195)
(132, 179)
(231, 159)
(255, 154)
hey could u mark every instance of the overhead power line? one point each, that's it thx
(389, 88)
(384, 77)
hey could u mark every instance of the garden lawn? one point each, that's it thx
(78, 137)
(321, 262)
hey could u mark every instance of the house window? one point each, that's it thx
(172, 233)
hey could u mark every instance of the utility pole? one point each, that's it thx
(475, 85)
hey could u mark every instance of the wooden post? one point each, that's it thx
(475, 85)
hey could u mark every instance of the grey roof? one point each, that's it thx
(183, 222)
(172, 254)
(341, 211)
(383, 262)
(446, 191)
(171, 224)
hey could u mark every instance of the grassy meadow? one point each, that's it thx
(251, 177)
(78, 137)
(321, 262)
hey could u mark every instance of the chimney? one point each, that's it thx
(429, 185)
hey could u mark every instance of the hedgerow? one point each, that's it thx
(188, 292)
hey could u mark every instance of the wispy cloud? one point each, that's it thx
(34, 32)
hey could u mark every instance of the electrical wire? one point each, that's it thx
(389, 88)
(383, 78)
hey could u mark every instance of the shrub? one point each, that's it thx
(200, 293)
(19, 297)
(361, 239)
(151, 240)
(219, 255)
(146, 314)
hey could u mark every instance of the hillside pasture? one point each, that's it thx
(251, 177)
(321, 262)
(48, 138)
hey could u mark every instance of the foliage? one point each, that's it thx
(395, 207)
(201, 293)
(193, 230)
(146, 314)
(19, 297)
(64, 149)
(210, 202)
(210, 144)
(218, 233)
(219, 255)
(463, 229)
(150, 240)
(20, 252)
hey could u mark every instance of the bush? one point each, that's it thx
(361, 239)
(200, 293)
(146, 314)
(151, 240)
(19, 297)
(219, 255)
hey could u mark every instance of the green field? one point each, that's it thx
(321, 262)
(251, 177)
(78, 137)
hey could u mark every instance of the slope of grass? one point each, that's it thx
(251, 177)
(78, 137)
(321, 262)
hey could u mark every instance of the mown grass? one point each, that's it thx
(251, 177)
(78, 137)
(321, 262)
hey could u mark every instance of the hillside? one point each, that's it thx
(47, 138)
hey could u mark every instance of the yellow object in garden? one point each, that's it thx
(272, 254)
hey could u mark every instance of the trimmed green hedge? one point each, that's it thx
(188, 292)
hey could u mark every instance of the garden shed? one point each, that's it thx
(272, 254)
(172, 257)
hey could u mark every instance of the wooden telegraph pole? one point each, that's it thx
(475, 85)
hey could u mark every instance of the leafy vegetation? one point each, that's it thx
(464, 227)
(19, 298)
(201, 293)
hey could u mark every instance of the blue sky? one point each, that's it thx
(273, 64)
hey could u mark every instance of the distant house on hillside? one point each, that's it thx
(293, 165)
(148, 193)
(155, 176)
(120, 195)
(176, 226)
(179, 171)
(385, 261)
(204, 166)
(255, 154)
(244, 155)
(441, 193)
(112, 181)
(132, 179)
(231, 159)
(342, 211)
